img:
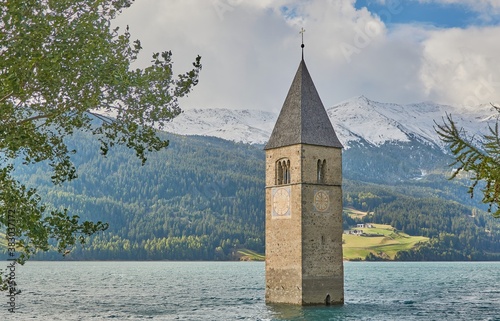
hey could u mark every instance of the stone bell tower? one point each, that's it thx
(304, 262)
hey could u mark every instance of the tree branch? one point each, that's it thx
(34, 118)
(104, 118)
(6, 97)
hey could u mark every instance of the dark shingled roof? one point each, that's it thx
(303, 119)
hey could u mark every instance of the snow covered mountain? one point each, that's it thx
(247, 126)
(355, 120)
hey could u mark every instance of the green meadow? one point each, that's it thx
(249, 255)
(354, 213)
(381, 240)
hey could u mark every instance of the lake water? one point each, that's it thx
(235, 291)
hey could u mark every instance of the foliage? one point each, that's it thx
(361, 159)
(61, 62)
(201, 199)
(425, 208)
(470, 235)
(480, 158)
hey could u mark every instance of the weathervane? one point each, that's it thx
(302, 30)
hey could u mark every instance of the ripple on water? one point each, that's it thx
(235, 291)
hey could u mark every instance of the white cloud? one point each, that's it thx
(462, 65)
(250, 51)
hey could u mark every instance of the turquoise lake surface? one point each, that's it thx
(235, 291)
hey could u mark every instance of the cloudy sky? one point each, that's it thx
(402, 51)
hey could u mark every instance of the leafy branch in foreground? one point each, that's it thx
(62, 66)
(480, 158)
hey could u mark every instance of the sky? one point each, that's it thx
(398, 51)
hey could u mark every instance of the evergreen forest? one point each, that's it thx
(203, 199)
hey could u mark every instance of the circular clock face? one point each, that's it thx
(321, 201)
(281, 202)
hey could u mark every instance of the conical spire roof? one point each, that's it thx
(303, 118)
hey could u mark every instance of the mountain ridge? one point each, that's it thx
(358, 119)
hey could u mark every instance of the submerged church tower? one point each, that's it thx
(304, 262)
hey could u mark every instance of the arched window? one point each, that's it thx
(318, 172)
(283, 173)
(288, 172)
(321, 171)
(279, 173)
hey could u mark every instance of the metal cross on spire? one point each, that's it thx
(302, 30)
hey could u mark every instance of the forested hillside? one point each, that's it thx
(203, 199)
(456, 231)
(199, 199)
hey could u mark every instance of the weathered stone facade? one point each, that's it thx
(304, 250)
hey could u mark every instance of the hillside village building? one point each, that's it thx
(304, 262)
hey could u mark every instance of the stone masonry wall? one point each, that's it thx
(304, 260)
